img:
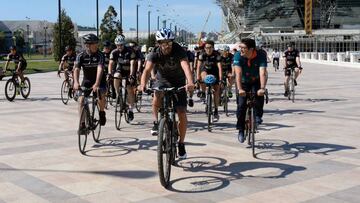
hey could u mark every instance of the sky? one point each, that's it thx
(188, 14)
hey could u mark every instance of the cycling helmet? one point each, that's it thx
(12, 48)
(90, 39)
(68, 48)
(164, 34)
(107, 43)
(210, 80)
(120, 39)
(226, 48)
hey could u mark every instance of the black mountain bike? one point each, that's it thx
(13, 87)
(168, 134)
(89, 118)
(121, 107)
(67, 88)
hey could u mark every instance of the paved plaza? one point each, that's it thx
(309, 151)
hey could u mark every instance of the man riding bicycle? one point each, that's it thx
(210, 63)
(20, 63)
(173, 70)
(292, 60)
(250, 70)
(91, 61)
(124, 58)
(276, 57)
(67, 62)
(226, 61)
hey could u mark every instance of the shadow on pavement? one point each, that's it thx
(275, 150)
(228, 172)
(290, 111)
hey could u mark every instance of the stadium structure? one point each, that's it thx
(274, 23)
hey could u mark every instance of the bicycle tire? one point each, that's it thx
(10, 90)
(293, 88)
(82, 139)
(27, 86)
(164, 149)
(118, 112)
(247, 126)
(138, 103)
(226, 101)
(209, 111)
(65, 92)
(95, 122)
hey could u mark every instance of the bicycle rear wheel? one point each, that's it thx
(164, 152)
(65, 92)
(209, 111)
(25, 89)
(83, 131)
(138, 103)
(10, 90)
(118, 112)
(95, 124)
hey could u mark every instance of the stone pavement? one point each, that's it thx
(308, 150)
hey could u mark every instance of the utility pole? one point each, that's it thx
(97, 18)
(137, 23)
(60, 35)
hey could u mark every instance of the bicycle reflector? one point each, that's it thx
(210, 80)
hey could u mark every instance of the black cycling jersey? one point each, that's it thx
(226, 62)
(106, 61)
(17, 58)
(291, 56)
(70, 60)
(190, 55)
(210, 63)
(168, 67)
(89, 63)
(123, 58)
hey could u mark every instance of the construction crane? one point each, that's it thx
(202, 30)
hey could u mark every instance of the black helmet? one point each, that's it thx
(107, 43)
(68, 48)
(90, 39)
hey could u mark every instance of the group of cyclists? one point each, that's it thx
(171, 64)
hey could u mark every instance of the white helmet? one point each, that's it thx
(120, 39)
(164, 34)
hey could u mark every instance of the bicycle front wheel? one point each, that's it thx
(252, 131)
(118, 112)
(65, 88)
(83, 131)
(95, 124)
(138, 103)
(25, 88)
(226, 102)
(164, 152)
(10, 90)
(292, 88)
(209, 111)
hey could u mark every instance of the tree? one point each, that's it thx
(2, 42)
(110, 27)
(152, 41)
(67, 35)
(20, 41)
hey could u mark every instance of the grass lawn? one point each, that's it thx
(36, 67)
(37, 56)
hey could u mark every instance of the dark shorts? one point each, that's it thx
(23, 67)
(214, 72)
(181, 101)
(287, 71)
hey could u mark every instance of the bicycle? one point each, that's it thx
(225, 97)
(67, 87)
(291, 92)
(168, 134)
(89, 118)
(138, 94)
(276, 65)
(109, 93)
(121, 106)
(250, 121)
(13, 87)
(209, 101)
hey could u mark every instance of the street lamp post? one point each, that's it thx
(149, 28)
(97, 18)
(45, 47)
(121, 23)
(137, 23)
(60, 36)
(158, 22)
(28, 40)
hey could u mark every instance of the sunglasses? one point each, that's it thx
(209, 47)
(163, 43)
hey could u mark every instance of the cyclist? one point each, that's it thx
(20, 63)
(228, 72)
(292, 59)
(124, 58)
(250, 70)
(107, 47)
(191, 58)
(67, 61)
(210, 63)
(276, 57)
(91, 61)
(173, 70)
